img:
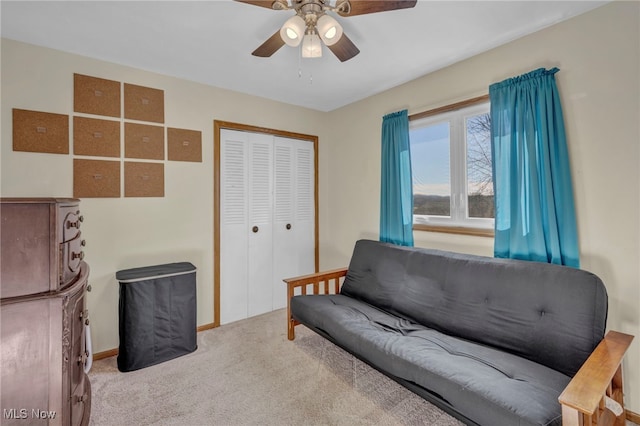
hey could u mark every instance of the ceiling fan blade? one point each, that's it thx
(344, 49)
(362, 7)
(262, 3)
(270, 46)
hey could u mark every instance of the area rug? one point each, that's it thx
(248, 373)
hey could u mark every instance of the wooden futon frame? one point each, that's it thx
(584, 400)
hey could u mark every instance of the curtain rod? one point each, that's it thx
(450, 107)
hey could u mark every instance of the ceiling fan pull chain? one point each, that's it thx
(300, 63)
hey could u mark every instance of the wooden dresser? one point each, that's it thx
(43, 315)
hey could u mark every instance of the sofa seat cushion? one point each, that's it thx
(487, 385)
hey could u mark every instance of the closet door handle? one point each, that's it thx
(288, 226)
(255, 229)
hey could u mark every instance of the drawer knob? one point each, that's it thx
(83, 243)
(255, 229)
(75, 255)
(75, 224)
(288, 226)
(89, 288)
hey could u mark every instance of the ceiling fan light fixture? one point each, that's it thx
(329, 29)
(292, 31)
(311, 46)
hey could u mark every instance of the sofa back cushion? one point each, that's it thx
(554, 315)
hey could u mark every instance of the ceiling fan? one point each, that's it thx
(312, 24)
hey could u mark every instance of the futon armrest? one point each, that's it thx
(315, 281)
(316, 278)
(583, 400)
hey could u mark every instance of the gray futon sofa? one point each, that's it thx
(491, 341)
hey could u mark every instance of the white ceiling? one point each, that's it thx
(210, 41)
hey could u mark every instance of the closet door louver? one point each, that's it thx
(305, 207)
(260, 256)
(234, 222)
(293, 242)
(284, 247)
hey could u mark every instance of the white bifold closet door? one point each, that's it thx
(267, 218)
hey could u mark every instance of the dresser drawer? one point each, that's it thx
(70, 219)
(43, 353)
(25, 231)
(41, 246)
(71, 255)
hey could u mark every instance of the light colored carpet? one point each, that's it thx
(248, 373)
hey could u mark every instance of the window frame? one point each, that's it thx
(459, 221)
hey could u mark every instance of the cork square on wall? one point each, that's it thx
(93, 95)
(143, 103)
(143, 179)
(143, 141)
(184, 145)
(96, 178)
(94, 137)
(36, 131)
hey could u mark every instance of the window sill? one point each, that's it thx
(460, 230)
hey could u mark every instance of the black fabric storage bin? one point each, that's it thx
(157, 311)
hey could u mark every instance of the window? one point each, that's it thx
(452, 170)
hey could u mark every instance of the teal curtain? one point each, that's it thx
(396, 193)
(535, 213)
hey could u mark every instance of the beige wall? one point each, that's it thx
(130, 232)
(598, 54)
